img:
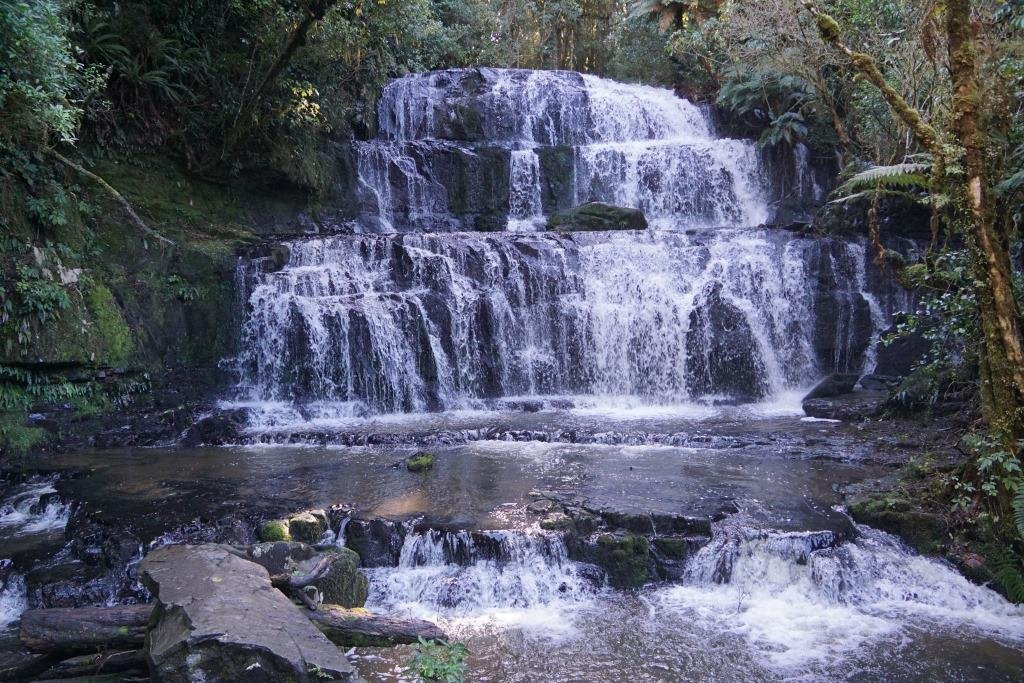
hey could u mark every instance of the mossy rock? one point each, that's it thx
(344, 584)
(420, 462)
(308, 526)
(274, 530)
(626, 559)
(558, 521)
(113, 331)
(672, 548)
(925, 532)
(597, 216)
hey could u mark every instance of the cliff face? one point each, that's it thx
(97, 315)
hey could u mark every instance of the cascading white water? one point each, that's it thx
(30, 509)
(436, 320)
(629, 145)
(449, 571)
(422, 322)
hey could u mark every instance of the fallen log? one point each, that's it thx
(115, 632)
(359, 628)
(97, 664)
(84, 630)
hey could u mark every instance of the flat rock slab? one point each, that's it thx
(218, 618)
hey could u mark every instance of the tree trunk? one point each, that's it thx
(84, 630)
(1000, 318)
(359, 628)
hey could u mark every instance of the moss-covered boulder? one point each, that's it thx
(925, 532)
(308, 526)
(274, 530)
(420, 462)
(343, 584)
(597, 216)
(625, 558)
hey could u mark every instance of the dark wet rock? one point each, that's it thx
(835, 384)
(597, 216)
(377, 541)
(218, 618)
(722, 352)
(217, 429)
(278, 257)
(342, 584)
(420, 462)
(899, 356)
(852, 407)
(280, 557)
(897, 216)
(843, 327)
(336, 570)
(541, 507)
(877, 382)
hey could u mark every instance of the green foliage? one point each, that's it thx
(439, 661)
(17, 439)
(38, 75)
(897, 176)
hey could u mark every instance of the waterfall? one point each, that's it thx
(468, 574)
(451, 293)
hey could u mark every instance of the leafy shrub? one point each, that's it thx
(439, 661)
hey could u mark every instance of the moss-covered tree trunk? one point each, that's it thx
(1002, 358)
(1003, 379)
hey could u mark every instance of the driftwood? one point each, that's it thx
(295, 585)
(359, 628)
(84, 630)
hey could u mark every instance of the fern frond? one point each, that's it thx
(870, 194)
(899, 175)
(1010, 573)
(1018, 512)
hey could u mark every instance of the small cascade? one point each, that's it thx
(525, 209)
(33, 508)
(13, 597)
(803, 600)
(463, 573)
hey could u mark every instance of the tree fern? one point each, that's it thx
(910, 175)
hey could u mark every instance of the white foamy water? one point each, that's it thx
(21, 512)
(778, 608)
(500, 579)
(801, 615)
(13, 600)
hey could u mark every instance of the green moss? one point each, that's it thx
(672, 548)
(308, 526)
(16, 438)
(274, 530)
(114, 333)
(626, 559)
(420, 462)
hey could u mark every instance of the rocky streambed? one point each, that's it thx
(609, 555)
